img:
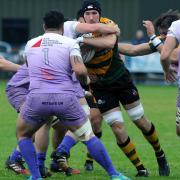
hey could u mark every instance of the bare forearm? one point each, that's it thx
(105, 29)
(6, 65)
(134, 50)
(165, 65)
(83, 79)
(101, 42)
(98, 27)
(79, 69)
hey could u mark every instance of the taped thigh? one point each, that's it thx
(112, 117)
(136, 112)
(84, 132)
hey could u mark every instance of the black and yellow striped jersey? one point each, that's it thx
(106, 63)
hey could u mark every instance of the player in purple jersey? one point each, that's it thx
(17, 100)
(51, 60)
(16, 91)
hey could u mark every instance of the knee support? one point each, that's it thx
(136, 112)
(112, 117)
(86, 109)
(84, 133)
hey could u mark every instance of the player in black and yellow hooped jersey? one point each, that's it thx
(111, 83)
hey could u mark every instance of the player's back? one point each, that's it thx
(48, 58)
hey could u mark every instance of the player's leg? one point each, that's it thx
(96, 122)
(113, 117)
(65, 145)
(41, 144)
(58, 133)
(178, 121)
(32, 117)
(136, 113)
(115, 121)
(25, 132)
(60, 163)
(81, 127)
(178, 114)
(16, 97)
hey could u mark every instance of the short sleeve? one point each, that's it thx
(75, 50)
(174, 30)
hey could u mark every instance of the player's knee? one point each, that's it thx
(84, 133)
(72, 135)
(136, 113)
(113, 117)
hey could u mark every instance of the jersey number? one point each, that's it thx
(46, 55)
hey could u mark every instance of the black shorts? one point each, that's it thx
(121, 91)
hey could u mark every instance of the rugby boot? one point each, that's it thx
(61, 160)
(119, 177)
(44, 172)
(142, 173)
(88, 166)
(16, 166)
(164, 169)
(30, 178)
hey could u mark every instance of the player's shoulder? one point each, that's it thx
(34, 42)
(176, 23)
(106, 20)
(70, 24)
(34, 39)
(175, 26)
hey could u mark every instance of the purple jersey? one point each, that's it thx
(48, 58)
(21, 77)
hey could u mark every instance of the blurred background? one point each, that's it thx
(20, 20)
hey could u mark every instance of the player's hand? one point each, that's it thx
(149, 27)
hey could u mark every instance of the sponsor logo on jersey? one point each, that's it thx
(100, 101)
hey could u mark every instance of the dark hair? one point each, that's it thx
(79, 14)
(91, 5)
(54, 19)
(165, 20)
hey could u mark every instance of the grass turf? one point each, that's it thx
(159, 104)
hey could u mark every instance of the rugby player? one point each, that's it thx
(171, 42)
(54, 70)
(161, 23)
(113, 80)
(16, 91)
(21, 86)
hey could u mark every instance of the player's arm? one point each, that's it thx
(169, 45)
(6, 65)
(134, 50)
(78, 66)
(156, 42)
(107, 41)
(97, 27)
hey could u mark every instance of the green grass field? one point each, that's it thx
(159, 104)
